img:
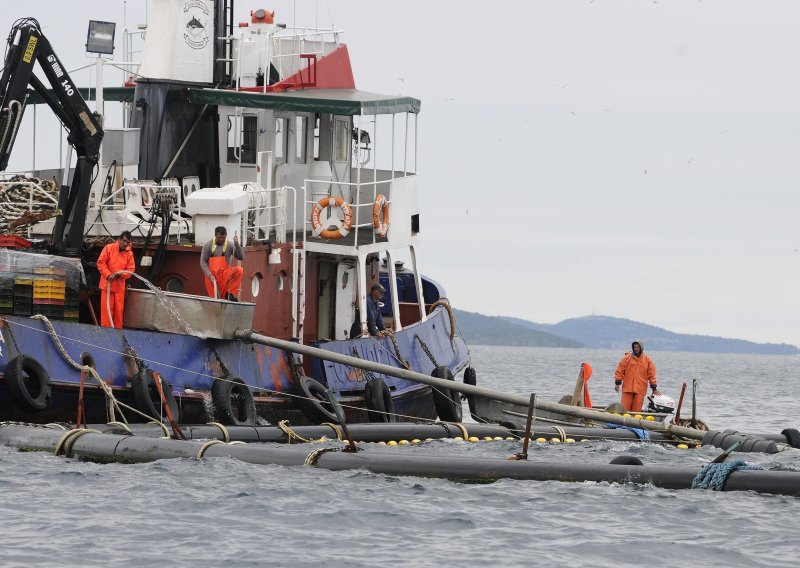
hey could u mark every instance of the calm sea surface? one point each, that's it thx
(219, 512)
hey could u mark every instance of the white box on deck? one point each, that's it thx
(212, 207)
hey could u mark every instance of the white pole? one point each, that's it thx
(418, 284)
(393, 291)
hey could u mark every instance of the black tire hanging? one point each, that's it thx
(446, 401)
(792, 436)
(626, 460)
(233, 402)
(312, 401)
(470, 378)
(380, 406)
(28, 383)
(145, 395)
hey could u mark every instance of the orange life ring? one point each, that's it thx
(332, 232)
(381, 229)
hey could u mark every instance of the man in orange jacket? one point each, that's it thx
(633, 373)
(113, 258)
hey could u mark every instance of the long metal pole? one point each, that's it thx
(523, 400)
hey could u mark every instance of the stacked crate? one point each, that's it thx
(49, 292)
(43, 284)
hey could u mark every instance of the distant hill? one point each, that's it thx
(605, 332)
(478, 329)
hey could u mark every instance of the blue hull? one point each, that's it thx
(191, 365)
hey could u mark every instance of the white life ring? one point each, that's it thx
(380, 206)
(332, 232)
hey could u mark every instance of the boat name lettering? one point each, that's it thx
(67, 87)
(30, 49)
(56, 67)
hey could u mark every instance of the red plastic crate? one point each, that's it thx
(13, 241)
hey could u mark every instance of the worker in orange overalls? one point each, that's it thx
(113, 258)
(633, 373)
(216, 259)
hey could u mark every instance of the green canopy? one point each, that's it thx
(118, 94)
(334, 101)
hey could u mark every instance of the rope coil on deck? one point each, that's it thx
(226, 436)
(714, 475)
(201, 452)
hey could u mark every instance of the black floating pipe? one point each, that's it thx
(112, 447)
(680, 431)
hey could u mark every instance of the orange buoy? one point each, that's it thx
(381, 205)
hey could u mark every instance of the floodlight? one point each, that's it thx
(100, 38)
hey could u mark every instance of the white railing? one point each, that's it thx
(341, 189)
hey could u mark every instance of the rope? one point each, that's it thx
(55, 426)
(640, 433)
(226, 436)
(205, 446)
(66, 441)
(314, 456)
(121, 425)
(162, 426)
(291, 434)
(714, 475)
(335, 429)
(561, 433)
(462, 428)
(446, 304)
(111, 400)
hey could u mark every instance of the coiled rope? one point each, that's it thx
(714, 475)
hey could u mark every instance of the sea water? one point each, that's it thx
(220, 512)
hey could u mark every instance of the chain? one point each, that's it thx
(296, 373)
(427, 351)
(403, 362)
(367, 372)
(13, 338)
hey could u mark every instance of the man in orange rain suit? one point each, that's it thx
(113, 258)
(215, 260)
(633, 373)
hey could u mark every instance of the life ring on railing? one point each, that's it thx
(380, 205)
(145, 395)
(332, 232)
(233, 402)
(34, 394)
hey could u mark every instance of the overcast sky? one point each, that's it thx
(625, 158)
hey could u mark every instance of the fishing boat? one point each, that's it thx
(248, 125)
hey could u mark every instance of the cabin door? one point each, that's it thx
(327, 299)
(346, 288)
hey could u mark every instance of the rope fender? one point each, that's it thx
(714, 475)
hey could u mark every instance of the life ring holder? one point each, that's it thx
(331, 233)
(381, 205)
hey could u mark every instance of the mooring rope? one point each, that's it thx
(561, 432)
(314, 456)
(335, 428)
(66, 441)
(291, 434)
(226, 436)
(714, 475)
(201, 452)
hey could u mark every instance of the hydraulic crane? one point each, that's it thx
(26, 46)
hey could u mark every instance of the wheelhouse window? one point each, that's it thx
(281, 139)
(242, 139)
(341, 141)
(300, 129)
